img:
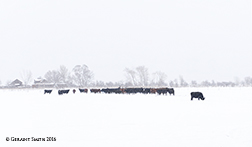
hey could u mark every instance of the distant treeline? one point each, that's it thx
(82, 76)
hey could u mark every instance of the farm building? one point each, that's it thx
(43, 83)
(16, 83)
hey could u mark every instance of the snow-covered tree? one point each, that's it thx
(131, 76)
(64, 74)
(138, 76)
(26, 77)
(182, 82)
(53, 76)
(159, 79)
(82, 75)
(194, 83)
(143, 75)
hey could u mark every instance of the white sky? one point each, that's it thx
(198, 39)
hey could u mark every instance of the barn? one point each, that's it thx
(15, 84)
(42, 83)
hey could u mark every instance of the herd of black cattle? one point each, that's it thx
(120, 90)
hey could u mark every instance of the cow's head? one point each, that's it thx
(202, 98)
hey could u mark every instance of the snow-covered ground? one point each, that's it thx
(224, 119)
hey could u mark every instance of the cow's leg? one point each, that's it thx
(191, 98)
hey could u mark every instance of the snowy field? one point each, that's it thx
(224, 119)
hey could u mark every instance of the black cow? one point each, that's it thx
(60, 92)
(198, 95)
(95, 90)
(83, 90)
(165, 91)
(161, 91)
(47, 91)
(171, 91)
(133, 90)
(147, 90)
(112, 90)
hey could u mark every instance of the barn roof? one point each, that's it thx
(16, 82)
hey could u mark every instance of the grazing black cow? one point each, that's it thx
(83, 90)
(133, 90)
(198, 95)
(153, 90)
(112, 90)
(161, 91)
(171, 91)
(60, 92)
(147, 90)
(95, 90)
(165, 91)
(47, 91)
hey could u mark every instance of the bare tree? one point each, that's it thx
(205, 83)
(131, 76)
(99, 84)
(82, 75)
(64, 74)
(137, 77)
(237, 81)
(174, 83)
(7, 82)
(159, 78)
(248, 81)
(194, 83)
(53, 76)
(183, 83)
(26, 77)
(143, 75)
(109, 84)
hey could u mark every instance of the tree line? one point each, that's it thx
(82, 76)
